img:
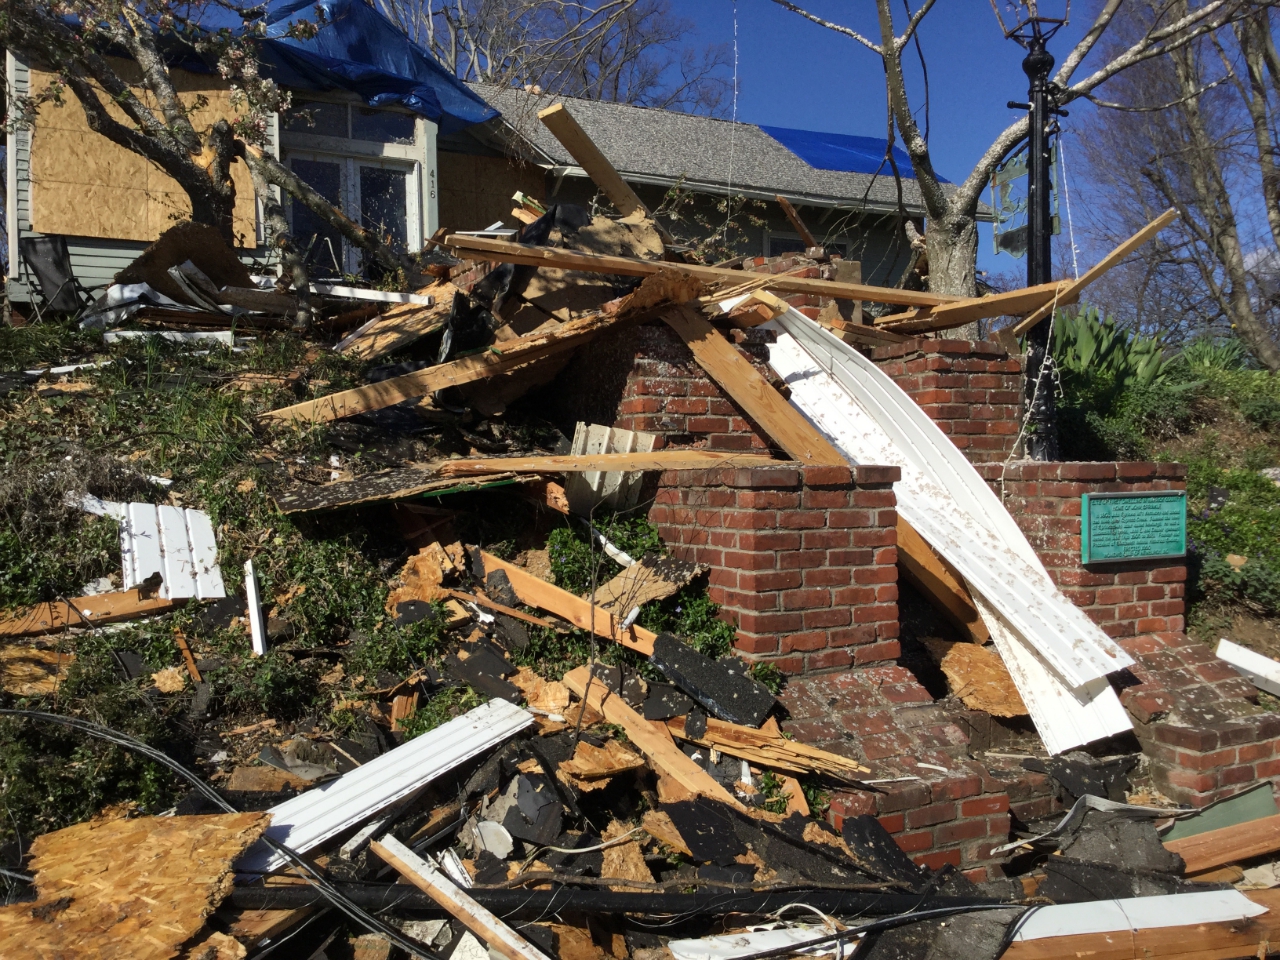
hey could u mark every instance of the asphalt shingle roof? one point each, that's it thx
(647, 142)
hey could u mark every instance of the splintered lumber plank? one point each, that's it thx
(504, 251)
(751, 391)
(979, 678)
(498, 358)
(767, 746)
(933, 576)
(1012, 303)
(1203, 941)
(665, 756)
(582, 148)
(1216, 848)
(536, 592)
(443, 891)
(399, 326)
(796, 222)
(607, 462)
(83, 611)
(499, 608)
(1072, 292)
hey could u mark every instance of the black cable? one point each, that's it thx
(310, 874)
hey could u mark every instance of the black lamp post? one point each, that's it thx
(1032, 31)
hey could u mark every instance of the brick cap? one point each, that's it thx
(919, 347)
(785, 473)
(1083, 470)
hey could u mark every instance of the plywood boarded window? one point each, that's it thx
(476, 191)
(83, 185)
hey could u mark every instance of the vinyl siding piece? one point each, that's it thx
(311, 818)
(178, 544)
(1054, 651)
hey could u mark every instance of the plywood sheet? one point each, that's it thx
(135, 889)
(83, 185)
(979, 677)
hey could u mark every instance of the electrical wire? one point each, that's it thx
(309, 872)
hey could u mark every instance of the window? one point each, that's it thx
(381, 126)
(350, 121)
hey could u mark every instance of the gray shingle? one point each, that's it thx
(647, 142)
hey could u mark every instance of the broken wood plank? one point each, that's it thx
(750, 390)
(665, 757)
(1012, 303)
(399, 326)
(979, 678)
(399, 484)
(84, 611)
(796, 222)
(767, 746)
(939, 581)
(545, 596)
(443, 891)
(1072, 293)
(1216, 848)
(504, 251)
(582, 148)
(499, 608)
(187, 658)
(625, 462)
(495, 360)
(27, 671)
(652, 578)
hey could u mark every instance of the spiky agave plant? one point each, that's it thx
(1091, 347)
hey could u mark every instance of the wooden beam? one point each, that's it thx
(504, 251)
(83, 611)
(399, 326)
(1072, 293)
(666, 758)
(443, 891)
(1205, 941)
(1216, 848)
(536, 592)
(796, 222)
(499, 608)
(1012, 303)
(767, 746)
(939, 581)
(607, 462)
(582, 148)
(496, 359)
(751, 391)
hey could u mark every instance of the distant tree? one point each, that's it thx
(951, 233)
(1198, 130)
(626, 51)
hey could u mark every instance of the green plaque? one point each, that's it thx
(1132, 526)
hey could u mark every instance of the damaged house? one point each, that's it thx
(698, 613)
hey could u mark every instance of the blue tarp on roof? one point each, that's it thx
(359, 50)
(841, 151)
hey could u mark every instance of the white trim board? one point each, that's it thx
(311, 818)
(1138, 913)
(1262, 672)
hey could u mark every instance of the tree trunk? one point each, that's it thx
(952, 245)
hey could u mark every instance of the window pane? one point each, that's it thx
(384, 201)
(325, 178)
(326, 119)
(381, 126)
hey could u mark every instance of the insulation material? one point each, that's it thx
(1057, 656)
(83, 185)
(135, 889)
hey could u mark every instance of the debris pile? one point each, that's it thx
(508, 722)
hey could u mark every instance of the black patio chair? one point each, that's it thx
(50, 261)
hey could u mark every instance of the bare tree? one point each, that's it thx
(951, 234)
(1198, 131)
(628, 51)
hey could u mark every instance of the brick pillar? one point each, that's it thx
(803, 559)
(1125, 599)
(971, 389)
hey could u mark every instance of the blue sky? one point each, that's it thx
(795, 73)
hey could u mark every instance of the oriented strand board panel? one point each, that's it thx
(83, 185)
(128, 889)
(476, 191)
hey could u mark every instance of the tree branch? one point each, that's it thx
(829, 25)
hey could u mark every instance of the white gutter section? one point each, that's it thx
(1262, 672)
(1139, 913)
(311, 818)
(1058, 657)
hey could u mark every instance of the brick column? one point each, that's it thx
(971, 389)
(803, 559)
(1125, 599)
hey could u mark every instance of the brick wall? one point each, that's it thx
(971, 389)
(803, 559)
(1125, 599)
